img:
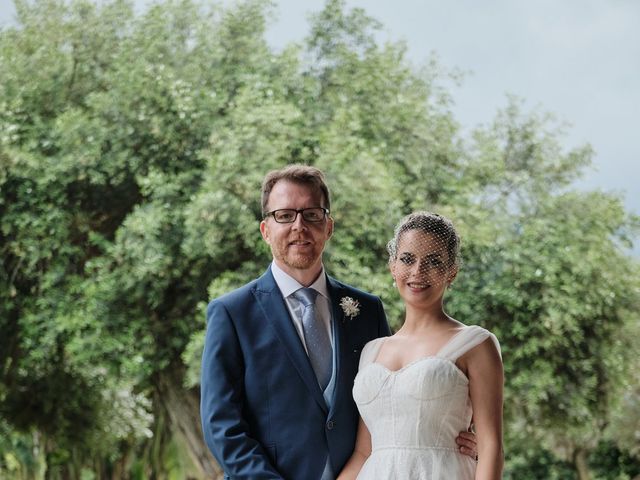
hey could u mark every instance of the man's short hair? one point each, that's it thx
(300, 174)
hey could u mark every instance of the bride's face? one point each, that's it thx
(422, 268)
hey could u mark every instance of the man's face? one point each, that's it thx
(296, 247)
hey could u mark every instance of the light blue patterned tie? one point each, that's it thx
(315, 336)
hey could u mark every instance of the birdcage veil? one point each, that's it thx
(426, 248)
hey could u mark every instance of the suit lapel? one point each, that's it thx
(275, 311)
(336, 293)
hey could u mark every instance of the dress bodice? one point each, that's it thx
(419, 408)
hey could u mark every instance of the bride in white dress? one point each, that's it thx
(418, 388)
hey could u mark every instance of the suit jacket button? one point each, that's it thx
(330, 425)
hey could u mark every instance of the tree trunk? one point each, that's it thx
(119, 470)
(580, 462)
(183, 411)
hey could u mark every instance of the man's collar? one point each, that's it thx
(287, 284)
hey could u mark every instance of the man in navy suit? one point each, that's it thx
(271, 406)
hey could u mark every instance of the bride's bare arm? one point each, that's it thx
(486, 379)
(360, 454)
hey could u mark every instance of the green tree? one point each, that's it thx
(548, 271)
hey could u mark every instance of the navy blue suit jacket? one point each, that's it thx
(263, 413)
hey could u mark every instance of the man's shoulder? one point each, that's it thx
(241, 294)
(238, 294)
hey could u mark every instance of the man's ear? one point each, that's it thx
(264, 230)
(329, 227)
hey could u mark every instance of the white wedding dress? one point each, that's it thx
(415, 414)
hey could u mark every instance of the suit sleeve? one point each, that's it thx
(225, 429)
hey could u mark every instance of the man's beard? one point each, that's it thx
(299, 262)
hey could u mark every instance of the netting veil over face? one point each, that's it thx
(424, 251)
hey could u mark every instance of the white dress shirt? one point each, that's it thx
(289, 285)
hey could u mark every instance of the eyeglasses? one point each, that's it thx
(289, 215)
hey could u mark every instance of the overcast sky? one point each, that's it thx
(579, 59)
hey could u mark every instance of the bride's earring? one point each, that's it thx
(394, 283)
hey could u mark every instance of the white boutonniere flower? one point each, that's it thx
(350, 307)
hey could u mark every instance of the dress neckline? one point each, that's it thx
(418, 359)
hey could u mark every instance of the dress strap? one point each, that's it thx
(370, 352)
(466, 339)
